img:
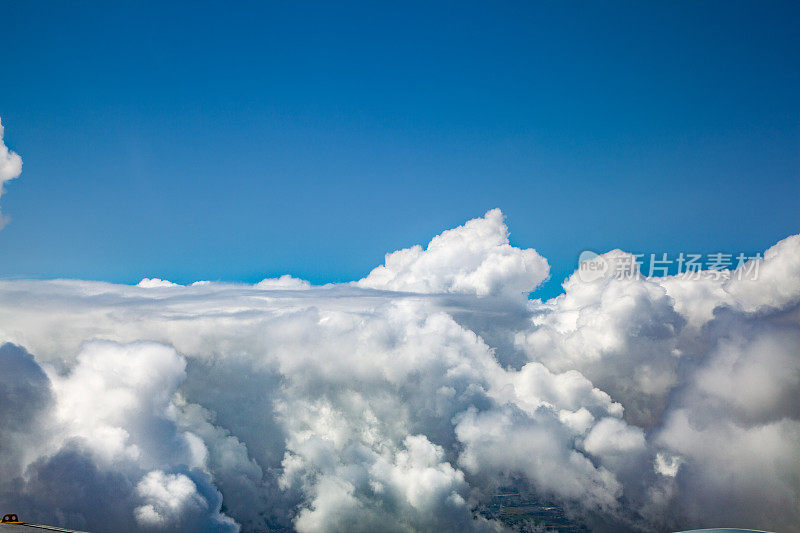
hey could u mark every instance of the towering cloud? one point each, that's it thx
(10, 166)
(634, 404)
(475, 258)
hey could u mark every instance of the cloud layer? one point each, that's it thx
(405, 400)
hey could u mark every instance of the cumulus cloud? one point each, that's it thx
(475, 258)
(620, 332)
(109, 428)
(153, 283)
(10, 167)
(632, 404)
(284, 282)
(173, 502)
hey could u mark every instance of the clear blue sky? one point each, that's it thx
(239, 141)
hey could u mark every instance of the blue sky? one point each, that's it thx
(241, 141)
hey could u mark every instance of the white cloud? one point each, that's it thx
(286, 282)
(667, 465)
(620, 333)
(10, 167)
(154, 283)
(641, 404)
(612, 437)
(475, 258)
(775, 281)
(172, 502)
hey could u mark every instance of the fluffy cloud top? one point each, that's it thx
(643, 404)
(286, 282)
(154, 283)
(475, 258)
